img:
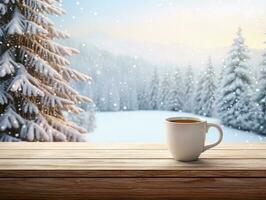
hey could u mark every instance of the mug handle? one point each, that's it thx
(209, 125)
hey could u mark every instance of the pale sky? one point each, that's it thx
(197, 23)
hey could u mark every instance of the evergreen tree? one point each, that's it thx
(133, 99)
(189, 91)
(165, 94)
(154, 91)
(114, 98)
(103, 99)
(208, 91)
(143, 98)
(177, 87)
(198, 94)
(219, 90)
(236, 108)
(261, 99)
(34, 88)
(110, 96)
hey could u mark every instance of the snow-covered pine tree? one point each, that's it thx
(34, 74)
(198, 93)
(112, 97)
(236, 106)
(114, 101)
(143, 99)
(176, 87)
(165, 93)
(189, 91)
(133, 98)
(154, 91)
(261, 99)
(208, 91)
(219, 90)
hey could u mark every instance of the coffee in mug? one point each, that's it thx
(186, 137)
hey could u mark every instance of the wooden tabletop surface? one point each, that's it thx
(245, 159)
(129, 171)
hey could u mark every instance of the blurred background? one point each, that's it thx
(150, 59)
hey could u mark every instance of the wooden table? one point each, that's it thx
(129, 171)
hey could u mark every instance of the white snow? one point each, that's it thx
(148, 126)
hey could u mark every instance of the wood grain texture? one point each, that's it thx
(132, 173)
(132, 188)
(132, 164)
(123, 154)
(129, 171)
(112, 146)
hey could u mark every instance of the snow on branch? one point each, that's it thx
(39, 65)
(84, 99)
(20, 25)
(65, 91)
(10, 120)
(31, 132)
(65, 51)
(7, 64)
(57, 48)
(4, 97)
(44, 6)
(55, 33)
(29, 107)
(43, 52)
(53, 1)
(8, 1)
(22, 84)
(3, 9)
(72, 132)
(37, 17)
(1, 31)
(54, 134)
(74, 126)
(54, 101)
(71, 74)
(8, 138)
(74, 109)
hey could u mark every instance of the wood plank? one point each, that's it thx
(89, 145)
(132, 164)
(129, 171)
(131, 188)
(123, 153)
(192, 173)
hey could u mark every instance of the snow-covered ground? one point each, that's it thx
(148, 126)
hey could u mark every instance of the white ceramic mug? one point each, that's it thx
(186, 141)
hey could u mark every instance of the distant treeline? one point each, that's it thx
(232, 93)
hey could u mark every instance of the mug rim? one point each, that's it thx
(199, 120)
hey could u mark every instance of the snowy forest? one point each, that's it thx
(43, 98)
(234, 91)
